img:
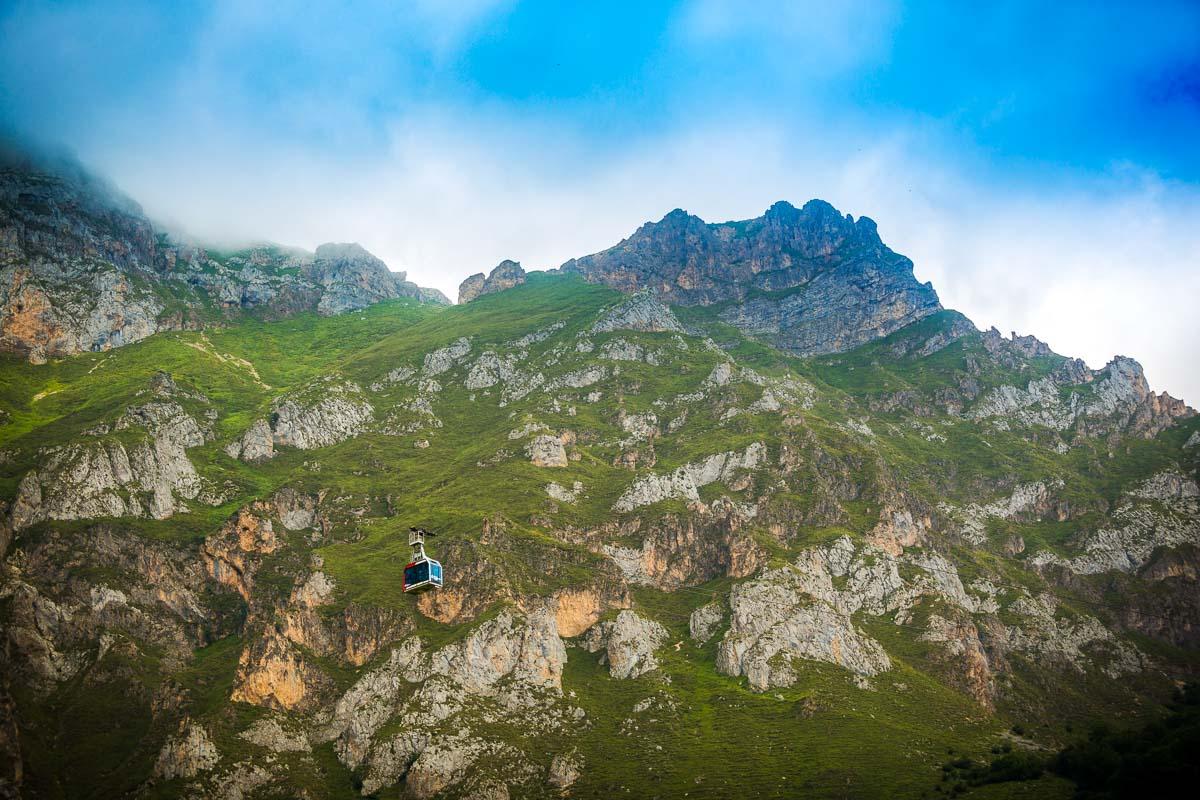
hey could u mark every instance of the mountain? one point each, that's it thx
(680, 560)
(809, 281)
(81, 268)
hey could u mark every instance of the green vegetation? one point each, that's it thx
(869, 433)
(1158, 760)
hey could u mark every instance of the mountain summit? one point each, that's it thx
(82, 268)
(808, 280)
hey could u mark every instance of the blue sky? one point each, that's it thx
(1037, 162)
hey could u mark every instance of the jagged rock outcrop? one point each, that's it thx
(187, 754)
(683, 550)
(1076, 641)
(70, 246)
(82, 268)
(324, 413)
(256, 445)
(1027, 501)
(704, 621)
(505, 275)
(107, 476)
(55, 637)
(1115, 399)
(770, 626)
(686, 481)
(847, 286)
(804, 611)
(273, 673)
(531, 653)
(964, 649)
(329, 412)
(508, 665)
(642, 312)
(272, 735)
(565, 769)
(232, 556)
(351, 278)
(445, 358)
(1162, 511)
(628, 642)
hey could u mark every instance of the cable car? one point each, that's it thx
(422, 572)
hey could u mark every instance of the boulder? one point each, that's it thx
(547, 451)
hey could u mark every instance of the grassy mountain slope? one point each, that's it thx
(854, 444)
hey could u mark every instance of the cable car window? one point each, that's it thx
(416, 573)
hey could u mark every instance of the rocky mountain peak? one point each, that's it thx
(50, 205)
(351, 253)
(678, 219)
(82, 268)
(505, 275)
(832, 283)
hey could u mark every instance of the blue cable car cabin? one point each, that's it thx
(422, 572)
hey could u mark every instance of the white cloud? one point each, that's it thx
(1095, 265)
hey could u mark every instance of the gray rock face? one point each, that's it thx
(351, 278)
(323, 415)
(1117, 398)
(513, 664)
(491, 369)
(704, 621)
(269, 733)
(628, 643)
(565, 769)
(256, 445)
(1162, 511)
(506, 275)
(1077, 642)
(770, 626)
(1026, 499)
(686, 481)
(846, 287)
(448, 761)
(81, 268)
(531, 653)
(186, 755)
(804, 611)
(445, 358)
(106, 477)
(642, 312)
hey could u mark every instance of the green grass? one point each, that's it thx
(824, 737)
